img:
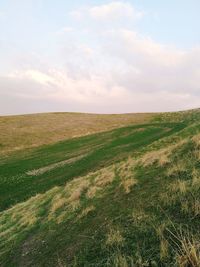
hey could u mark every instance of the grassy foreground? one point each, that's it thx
(126, 197)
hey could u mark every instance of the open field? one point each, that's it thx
(38, 170)
(20, 132)
(129, 196)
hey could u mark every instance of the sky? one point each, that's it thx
(99, 56)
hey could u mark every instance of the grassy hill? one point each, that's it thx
(128, 195)
(26, 131)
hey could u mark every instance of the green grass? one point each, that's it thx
(80, 213)
(98, 150)
(34, 130)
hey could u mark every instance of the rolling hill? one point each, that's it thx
(25, 131)
(100, 190)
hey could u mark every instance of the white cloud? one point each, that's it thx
(65, 30)
(131, 92)
(59, 85)
(130, 44)
(112, 11)
(33, 75)
(110, 69)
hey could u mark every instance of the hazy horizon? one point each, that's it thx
(97, 113)
(104, 57)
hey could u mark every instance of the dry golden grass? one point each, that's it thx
(76, 194)
(195, 179)
(58, 203)
(139, 217)
(164, 249)
(126, 174)
(114, 237)
(69, 197)
(175, 192)
(19, 132)
(92, 191)
(196, 139)
(86, 211)
(162, 156)
(121, 261)
(106, 176)
(184, 192)
(164, 245)
(99, 180)
(187, 248)
(176, 168)
(23, 216)
(197, 154)
(182, 186)
(127, 184)
(160, 230)
(179, 187)
(191, 207)
(180, 194)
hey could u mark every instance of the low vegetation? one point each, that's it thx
(127, 197)
(26, 131)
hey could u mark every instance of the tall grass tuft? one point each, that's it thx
(186, 247)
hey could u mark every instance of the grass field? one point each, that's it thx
(25, 131)
(129, 196)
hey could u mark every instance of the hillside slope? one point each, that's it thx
(127, 197)
(25, 131)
